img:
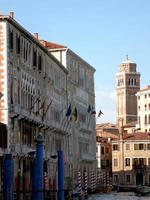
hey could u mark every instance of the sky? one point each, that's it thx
(102, 32)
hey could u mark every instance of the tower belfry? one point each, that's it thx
(127, 85)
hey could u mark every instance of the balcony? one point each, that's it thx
(140, 168)
(87, 157)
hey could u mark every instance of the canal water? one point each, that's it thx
(118, 196)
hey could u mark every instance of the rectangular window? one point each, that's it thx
(148, 146)
(102, 150)
(18, 44)
(135, 161)
(145, 119)
(127, 147)
(39, 62)
(107, 163)
(141, 161)
(148, 161)
(127, 162)
(139, 120)
(138, 146)
(11, 40)
(115, 147)
(34, 58)
(128, 178)
(141, 146)
(3, 136)
(96, 149)
(115, 162)
(116, 179)
(103, 164)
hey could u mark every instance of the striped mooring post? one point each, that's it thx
(93, 181)
(108, 178)
(85, 183)
(79, 182)
(104, 179)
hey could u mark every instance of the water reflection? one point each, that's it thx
(118, 196)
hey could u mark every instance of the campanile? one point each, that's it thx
(127, 85)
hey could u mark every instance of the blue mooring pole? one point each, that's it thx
(38, 173)
(34, 181)
(8, 177)
(60, 175)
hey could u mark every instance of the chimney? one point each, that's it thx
(11, 14)
(36, 36)
(44, 43)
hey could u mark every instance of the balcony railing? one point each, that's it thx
(140, 168)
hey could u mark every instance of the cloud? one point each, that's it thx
(106, 101)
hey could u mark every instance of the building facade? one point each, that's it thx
(81, 95)
(34, 100)
(131, 160)
(104, 134)
(143, 107)
(127, 85)
(36, 91)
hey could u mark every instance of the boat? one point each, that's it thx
(143, 190)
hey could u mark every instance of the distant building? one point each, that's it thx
(143, 107)
(131, 160)
(127, 85)
(104, 134)
(129, 127)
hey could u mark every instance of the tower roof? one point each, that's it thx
(127, 61)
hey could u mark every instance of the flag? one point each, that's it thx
(89, 109)
(68, 113)
(93, 112)
(100, 113)
(74, 116)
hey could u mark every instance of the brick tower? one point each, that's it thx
(127, 85)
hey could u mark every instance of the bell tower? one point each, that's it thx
(127, 85)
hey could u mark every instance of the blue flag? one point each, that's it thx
(89, 109)
(68, 113)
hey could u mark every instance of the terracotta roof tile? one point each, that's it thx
(107, 135)
(145, 89)
(52, 45)
(136, 136)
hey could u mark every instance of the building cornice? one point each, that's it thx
(31, 37)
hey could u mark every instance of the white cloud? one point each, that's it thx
(105, 101)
